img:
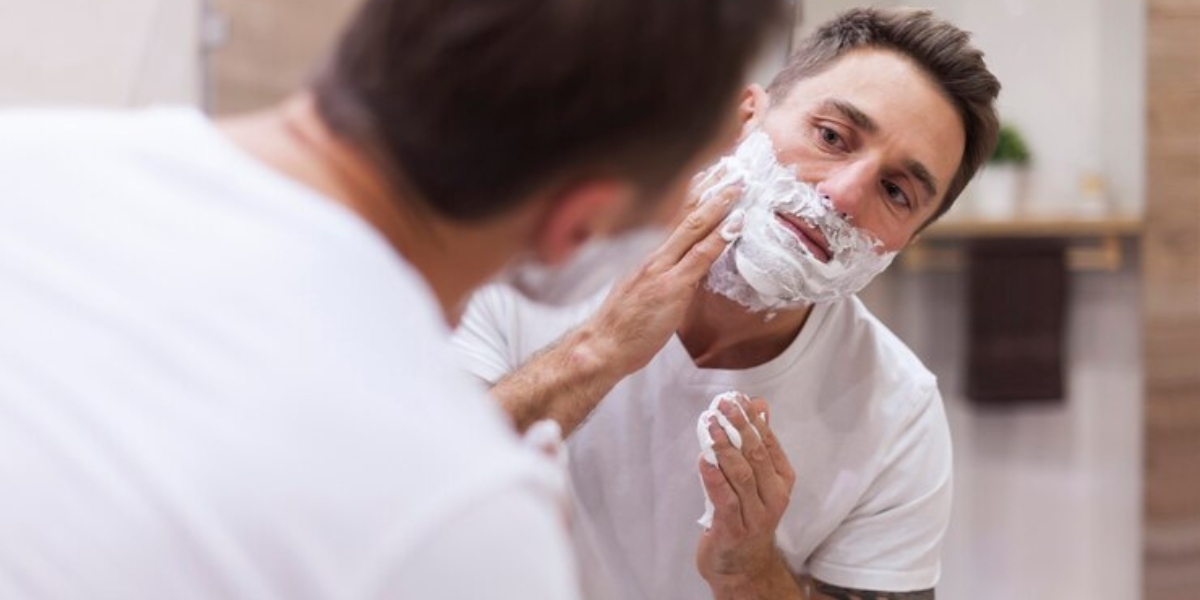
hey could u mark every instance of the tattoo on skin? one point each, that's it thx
(840, 593)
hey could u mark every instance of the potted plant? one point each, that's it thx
(1001, 182)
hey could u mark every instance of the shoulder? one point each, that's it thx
(104, 149)
(501, 328)
(50, 127)
(863, 349)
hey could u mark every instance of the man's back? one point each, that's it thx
(215, 383)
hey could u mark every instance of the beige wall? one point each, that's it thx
(273, 47)
(93, 52)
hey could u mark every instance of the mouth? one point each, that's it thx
(810, 236)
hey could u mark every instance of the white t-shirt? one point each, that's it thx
(215, 383)
(857, 414)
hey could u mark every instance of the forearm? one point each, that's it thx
(775, 582)
(564, 382)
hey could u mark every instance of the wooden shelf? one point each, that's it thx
(1039, 226)
(1095, 243)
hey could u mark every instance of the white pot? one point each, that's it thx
(997, 191)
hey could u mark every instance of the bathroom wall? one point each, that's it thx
(1073, 73)
(110, 53)
(272, 47)
(1048, 498)
(1171, 303)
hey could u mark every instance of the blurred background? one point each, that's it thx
(1075, 259)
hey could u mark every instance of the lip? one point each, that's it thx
(810, 236)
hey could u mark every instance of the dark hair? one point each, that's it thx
(938, 47)
(472, 105)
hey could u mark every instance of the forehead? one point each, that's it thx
(913, 114)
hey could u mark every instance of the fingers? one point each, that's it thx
(699, 258)
(738, 473)
(760, 412)
(727, 510)
(700, 189)
(699, 223)
(774, 489)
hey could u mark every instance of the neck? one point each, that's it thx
(453, 258)
(721, 334)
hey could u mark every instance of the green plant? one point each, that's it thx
(1010, 148)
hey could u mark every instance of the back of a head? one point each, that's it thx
(473, 105)
(938, 47)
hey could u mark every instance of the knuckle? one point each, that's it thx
(742, 477)
(693, 222)
(708, 250)
(789, 477)
(779, 500)
(727, 504)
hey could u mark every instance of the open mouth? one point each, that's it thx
(810, 236)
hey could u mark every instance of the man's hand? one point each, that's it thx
(750, 489)
(643, 311)
(568, 380)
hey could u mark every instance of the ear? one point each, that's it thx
(580, 213)
(754, 104)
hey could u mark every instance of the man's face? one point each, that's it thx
(876, 136)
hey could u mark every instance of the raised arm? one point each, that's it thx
(567, 380)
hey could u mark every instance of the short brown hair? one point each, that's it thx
(938, 47)
(472, 105)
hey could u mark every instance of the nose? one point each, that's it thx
(848, 188)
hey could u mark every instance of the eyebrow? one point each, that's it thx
(925, 177)
(856, 116)
(863, 121)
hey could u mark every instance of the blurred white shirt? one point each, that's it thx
(216, 384)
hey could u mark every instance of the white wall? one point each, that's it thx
(1073, 74)
(1047, 498)
(99, 52)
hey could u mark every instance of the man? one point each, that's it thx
(843, 490)
(225, 369)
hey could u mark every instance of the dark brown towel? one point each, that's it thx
(1017, 299)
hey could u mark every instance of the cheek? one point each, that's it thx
(811, 166)
(894, 239)
(883, 227)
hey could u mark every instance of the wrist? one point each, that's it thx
(595, 355)
(765, 579)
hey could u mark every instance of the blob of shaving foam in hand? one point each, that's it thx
(706, 441)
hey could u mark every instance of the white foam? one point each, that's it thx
(706, 440)
(767, 267)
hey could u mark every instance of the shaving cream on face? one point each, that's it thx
(713, 413)
(767, 267)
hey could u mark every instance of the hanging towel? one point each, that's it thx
(1017, 300)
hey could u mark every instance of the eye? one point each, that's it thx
(896, 195)
(831, 138)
